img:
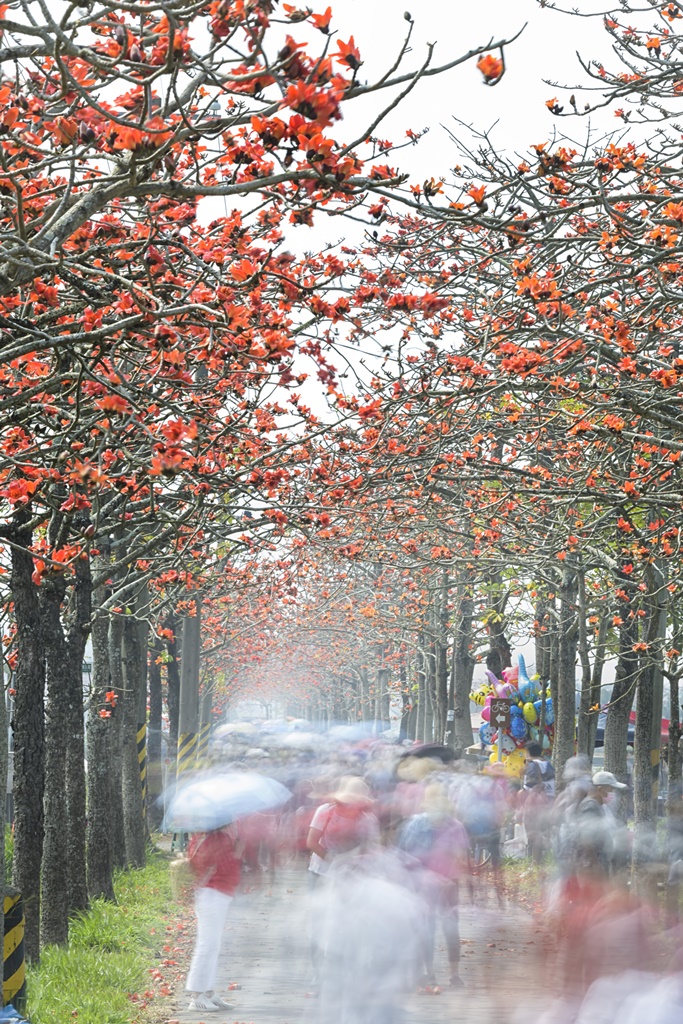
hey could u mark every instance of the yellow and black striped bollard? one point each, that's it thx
(187, 752)
(187, 755)
(14, 962)
(142, 762)
(203, 743)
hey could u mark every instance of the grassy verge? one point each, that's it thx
(119, 964)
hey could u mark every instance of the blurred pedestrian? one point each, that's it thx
(597, 826)
(345, 823)
(538, 789)
(439, 846)
(215, 861)
(370, 938)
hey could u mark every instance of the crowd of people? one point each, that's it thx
(395, 839)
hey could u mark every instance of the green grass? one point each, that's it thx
(110, 953)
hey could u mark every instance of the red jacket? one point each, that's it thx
(214, 862)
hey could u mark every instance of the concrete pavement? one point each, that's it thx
(266, 952)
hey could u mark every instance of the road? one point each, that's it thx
(266, 953)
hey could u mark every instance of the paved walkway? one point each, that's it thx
(266, 952)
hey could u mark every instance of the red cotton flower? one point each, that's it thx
(492, 68)
(349, 54)
(322, 21)
(311, 103)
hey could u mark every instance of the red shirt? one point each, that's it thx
(214, 862)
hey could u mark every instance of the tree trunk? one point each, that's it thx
(406, 704)
(4, 764)
(421, 696)
(648, 727)
(154, 758)
(100, 728)
(441, 658)
(173, 679)
(591, 678)
(623, 690)
(54, 874)
(499, 655)
(367, 711)
(79, 625)
(383, 697)
(595, 691)
(542, 638)
(564, 693)
(673, 758)
(141, 732)
(118, 841)
(430, 694)
(462, 669)
(133, 812)
(28, 729)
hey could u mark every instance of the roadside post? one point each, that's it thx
(500, 717)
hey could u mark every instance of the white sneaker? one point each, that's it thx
(204, 1004)
(220, 1003)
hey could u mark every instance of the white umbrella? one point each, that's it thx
(212, 801)
(303, 741)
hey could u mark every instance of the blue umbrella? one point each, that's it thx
(211, 801)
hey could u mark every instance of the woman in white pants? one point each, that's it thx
(215, 859)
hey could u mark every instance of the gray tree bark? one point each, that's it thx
(117, 835)
(28, 727)
(648, 727)
(99, 734)
(4, 766)
(54, 867)
(154, 765)
(623, 690)
(564, 693)
(79, 619)
(462, 668)
(588, 715)
(173, 678)
(134, 824)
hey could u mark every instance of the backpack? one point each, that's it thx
(548, 777)
(346, 830)
(417, 836)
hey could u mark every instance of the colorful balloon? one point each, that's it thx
(493, 679)
(507, 743)
(511, 675)
(530, 713)
(479, 695)
(515, 763)
(549, 711)
(518, 728)
(485, 734)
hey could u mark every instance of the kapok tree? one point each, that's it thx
(116, 123)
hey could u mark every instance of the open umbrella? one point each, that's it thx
(211, 801)
(435, 750)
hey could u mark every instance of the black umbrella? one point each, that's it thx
(436, 750)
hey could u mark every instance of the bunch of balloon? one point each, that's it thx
(525, 695)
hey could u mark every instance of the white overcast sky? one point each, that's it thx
(546, 50)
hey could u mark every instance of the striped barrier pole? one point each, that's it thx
(203, 741)
(142, 762)
(185, 762)
(187, 752)
(188, 712)
(14, 961)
